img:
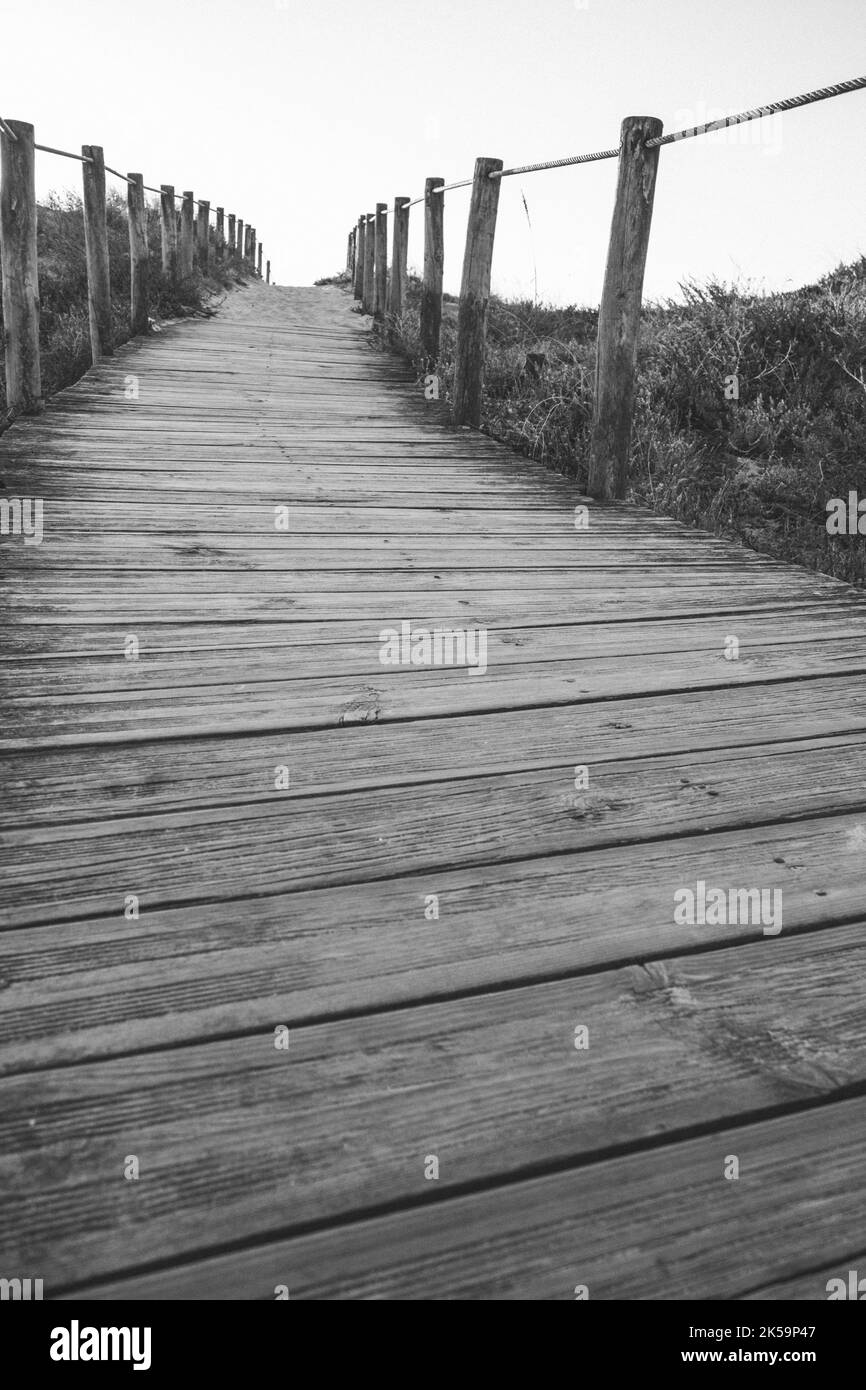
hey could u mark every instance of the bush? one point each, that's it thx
(64, 331)
(750, 410)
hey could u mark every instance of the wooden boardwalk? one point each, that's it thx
(411, 1036)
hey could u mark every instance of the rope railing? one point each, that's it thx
(49, 149)
(638, 152)
(186, 240)
(787, 104)
(555, 163)
(86, 159)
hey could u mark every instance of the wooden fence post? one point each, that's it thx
(380, 291)
(253, 245)
(239, 244)
(349, 255)
(260, 259)
(619, 314)
(20, 273)
(220, 234)
(475, 294)
(96, 254)
(139, 259)
(399, 257)
(168, 230)
(231, 240)
(360, 235)
(187, 235)
(247, 242)
(268, 273)
(369, 294)
(202, 242)
(434, 259)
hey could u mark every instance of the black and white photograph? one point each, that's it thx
(433, 665)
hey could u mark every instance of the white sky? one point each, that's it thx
(300, 114)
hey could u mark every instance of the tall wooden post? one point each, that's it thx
(619, 315)
(231, 240)
(434, 259)
(187, 236)
(360, 235)
(139, 259)
(380, 292)
(20, 273)
(239, 244)
(168, 230)
(253, 244)
(399, 257)
(202, 240)
(247, 231)
(369, 295)
(220, 234)
(475, 294)
(96, 254)
(268, 274)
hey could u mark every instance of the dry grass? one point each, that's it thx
(759, 465)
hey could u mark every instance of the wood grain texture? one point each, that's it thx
(311, 905)
(96, 252)
(475, 294)
(656, 1225)
(139, 255)
(20, 271)
(101, 985)
(434, 261)
(186, 242)
(491, 1085)
(619, 312)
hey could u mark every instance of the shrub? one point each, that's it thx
(64, 332)
(750, 410)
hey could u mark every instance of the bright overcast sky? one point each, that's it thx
(300, 114)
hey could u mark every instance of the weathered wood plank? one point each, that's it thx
(100, 985)
(493, 1086)
(54, 873)
(662, 1224)
(98, 781)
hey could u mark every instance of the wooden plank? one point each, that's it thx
(54, 873)
(93, 782)
(102, 985)
(323, 701)
(661, 1225)
(211, 657)
(493, 1086)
